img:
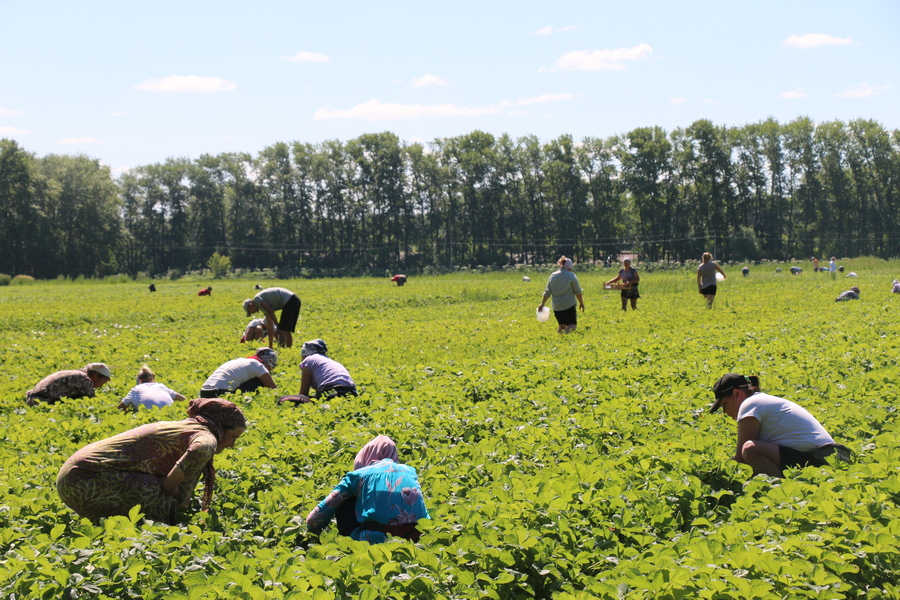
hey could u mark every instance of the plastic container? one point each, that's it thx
(720, 277)
(543, 314)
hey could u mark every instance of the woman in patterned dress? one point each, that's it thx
(156, 465)
(387, 496)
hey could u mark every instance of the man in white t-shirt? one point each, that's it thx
(242, 375)
(773, 433)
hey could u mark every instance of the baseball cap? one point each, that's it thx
(100, 368)
(725, 385)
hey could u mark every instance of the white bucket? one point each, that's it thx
(543, 314)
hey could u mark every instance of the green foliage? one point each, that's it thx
(219, 265)
(569, 467)
(23, 280)
(5, 279)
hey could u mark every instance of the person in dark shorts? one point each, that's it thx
(269, 300)
(563, 287)
(399, 279)
(773, 433)
(242, 375)
(706, 278)
(628, 275)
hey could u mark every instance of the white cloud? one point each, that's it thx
(548, 30)
(863, 90)
(189, 83)
(709, 100)
(428, 79)
(310, 57)
(601, 60)
(679, 100)
(375, 110)
(13, 131)
(794, 95)
(814, 40)
(81, 140)
(8, 112)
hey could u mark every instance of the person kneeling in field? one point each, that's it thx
(385, 495)
(773, 433)
(256, 330)
(148, 393)
(76, 383)
(851, 294)
(156, 465)
(242, 375)
(327, 377)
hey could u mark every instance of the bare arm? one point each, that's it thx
(123, 407)
(580, 301)
(178, 398)
(268, 381)
(748, 429)
(271, 321)
(305, 381)
(173, 480)
(721, 271)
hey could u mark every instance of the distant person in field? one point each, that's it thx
(256, 330)
(815, 262)
(148, 393)
(851, 294)
(269, 300)
(399, 279)
(629, 276)
(745, 272)
(832, 266)
(773, 433)
(564, 289)
(76, 383)
(706, 278)
(205, 291)
(895, 287)
(384, 495)
(242, 375)
(327, 377)
(151, 287)
(156, 465)
(796, 270)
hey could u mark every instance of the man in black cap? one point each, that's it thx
(773, 433)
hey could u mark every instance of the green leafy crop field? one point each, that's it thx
(577, 466)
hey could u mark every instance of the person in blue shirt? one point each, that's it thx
(387, 496)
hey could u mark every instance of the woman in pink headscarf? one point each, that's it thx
(386, 496)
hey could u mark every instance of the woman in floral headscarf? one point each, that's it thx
(156, 465)
(387, 496)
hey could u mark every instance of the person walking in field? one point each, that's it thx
(269, 300)
(773, 433)
(242, 375)
(326, 376)
(75, 383)
(148, 393)
(832, 266)
(384, 495)
(706, 278)
(563, 287)
(156, 465)
(629, 276)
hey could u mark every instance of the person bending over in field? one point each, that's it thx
(773, 433)
(242, 375)
(563, 287)
(156, 465)
(269, 300)
(399, 279)
(706, 278)
(895, 287)
(76, 383)
(256, 330)
(148, 393)
(386, 497)
(326, 376)
(851, 294)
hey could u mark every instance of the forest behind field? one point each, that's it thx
(761, 191)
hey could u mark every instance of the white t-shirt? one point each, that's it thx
(784, 423)
(232, 374)
(150, 394)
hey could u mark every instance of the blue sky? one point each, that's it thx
(135, 83)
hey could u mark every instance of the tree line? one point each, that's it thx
(760, 191)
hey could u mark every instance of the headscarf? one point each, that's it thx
(217, 415)
(267, 357)
(379, 448)
(316, 346)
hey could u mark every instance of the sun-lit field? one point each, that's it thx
(576, 466)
